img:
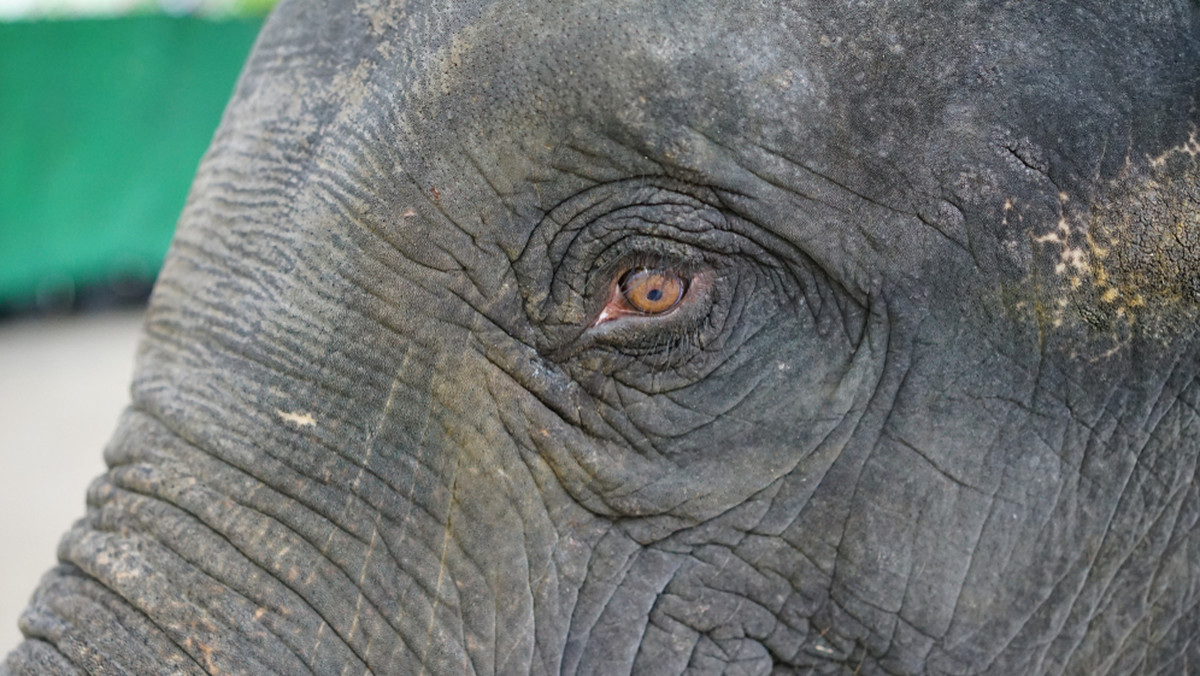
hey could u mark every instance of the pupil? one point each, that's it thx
(654, 294)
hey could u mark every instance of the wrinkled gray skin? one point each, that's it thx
(929, 405)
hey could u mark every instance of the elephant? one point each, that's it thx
(640, 336)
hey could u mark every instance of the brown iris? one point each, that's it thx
(652, 292)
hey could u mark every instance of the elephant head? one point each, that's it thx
(657, 337)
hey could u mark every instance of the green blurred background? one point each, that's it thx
(102, 123)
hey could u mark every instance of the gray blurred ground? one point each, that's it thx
(63, 382)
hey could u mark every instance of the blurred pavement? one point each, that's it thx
(63, 382)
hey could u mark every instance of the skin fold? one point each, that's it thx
(927, 403)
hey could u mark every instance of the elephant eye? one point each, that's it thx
(644, 291)
(652, 292)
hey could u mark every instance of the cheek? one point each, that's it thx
(783, 402)
(780, 378)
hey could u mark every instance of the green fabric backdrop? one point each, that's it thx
(102, 124)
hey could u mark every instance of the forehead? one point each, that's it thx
(847, 128)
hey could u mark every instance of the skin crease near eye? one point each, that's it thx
(642, 291)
